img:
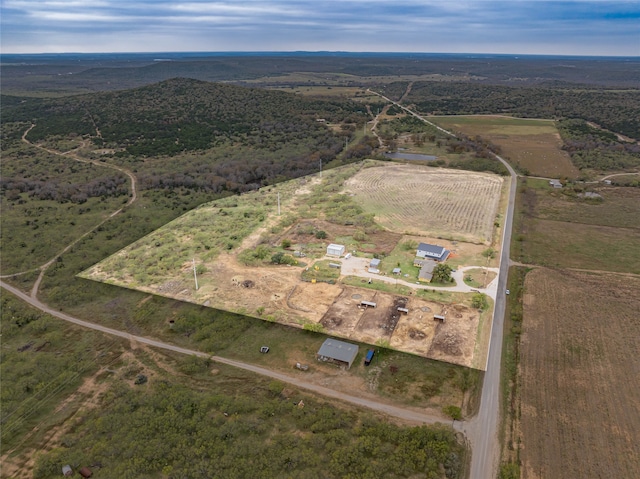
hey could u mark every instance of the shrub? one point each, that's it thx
(454, 412)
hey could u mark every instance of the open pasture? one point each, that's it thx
(579, 389)
(533, 145)
(619, 207)
(250, 260)
(455, 204)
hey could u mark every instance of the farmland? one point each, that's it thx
(562, 229)
(533, 145)
(243, 252)
(579, 397)
(417, 202)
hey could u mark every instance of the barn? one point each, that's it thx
(338, 352)
(432, 251)
(335, 249)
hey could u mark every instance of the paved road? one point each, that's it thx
(408, 415)
(482, 430)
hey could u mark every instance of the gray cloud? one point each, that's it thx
(586, 27)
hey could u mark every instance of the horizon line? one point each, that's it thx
(316, 52)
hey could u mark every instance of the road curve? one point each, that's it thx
(133, 198)
(407, 415)
(482, 430)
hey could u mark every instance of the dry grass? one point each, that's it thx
(420, 200)
(452, 203)
(579, 363)
(534, 145)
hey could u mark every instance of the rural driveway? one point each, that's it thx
(407, 415)
(355, 266)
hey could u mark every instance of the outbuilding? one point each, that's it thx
(338, 352)
(426, 270)
(335, 249)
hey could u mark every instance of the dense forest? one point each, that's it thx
(592, 147)
(222, 137)
(615, 110)
(65, 74)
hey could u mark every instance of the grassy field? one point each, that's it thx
(578, 399)
(458, 205)
(236, 245)
(45, 368)
(68, 393)
(576, 245)
(532, 145)
(559, 228)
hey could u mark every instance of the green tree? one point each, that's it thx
(479, 301)
(442, 273)
(286, 243)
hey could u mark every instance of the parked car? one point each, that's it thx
(507, 292)
(264, 349)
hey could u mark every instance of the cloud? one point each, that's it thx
(514, 26)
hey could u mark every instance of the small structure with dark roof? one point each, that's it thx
(338, 352)
(432, 251)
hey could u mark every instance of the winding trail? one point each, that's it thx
(69, 154)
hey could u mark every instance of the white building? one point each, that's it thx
(335, 250)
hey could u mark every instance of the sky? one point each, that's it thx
(550, 27)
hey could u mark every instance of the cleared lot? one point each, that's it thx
(580, 394)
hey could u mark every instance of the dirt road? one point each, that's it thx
(408, 415)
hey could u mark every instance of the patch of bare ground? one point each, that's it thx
(423, 200)
(86, 397)
(580, 396)
(140, 359)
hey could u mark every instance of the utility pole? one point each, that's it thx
(195, 275)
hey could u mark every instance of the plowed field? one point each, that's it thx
(429, 200)
(580, 361)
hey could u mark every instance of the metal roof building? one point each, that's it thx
(338, 352)
(335, 249)
(431, 251)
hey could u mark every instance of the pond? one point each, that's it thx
(410, 156)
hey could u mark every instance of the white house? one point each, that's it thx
(335, 249)
(431, 251)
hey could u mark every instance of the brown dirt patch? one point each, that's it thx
(579, 394)
(423, 200)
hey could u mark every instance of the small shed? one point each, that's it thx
(555, 183)
(368, 304)
(334, 265)
(338, 352)
(438, 317)
(397, 271)
(335, 249)
(67, 471)
(375, 263)
(85, 472)
(403, 310)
